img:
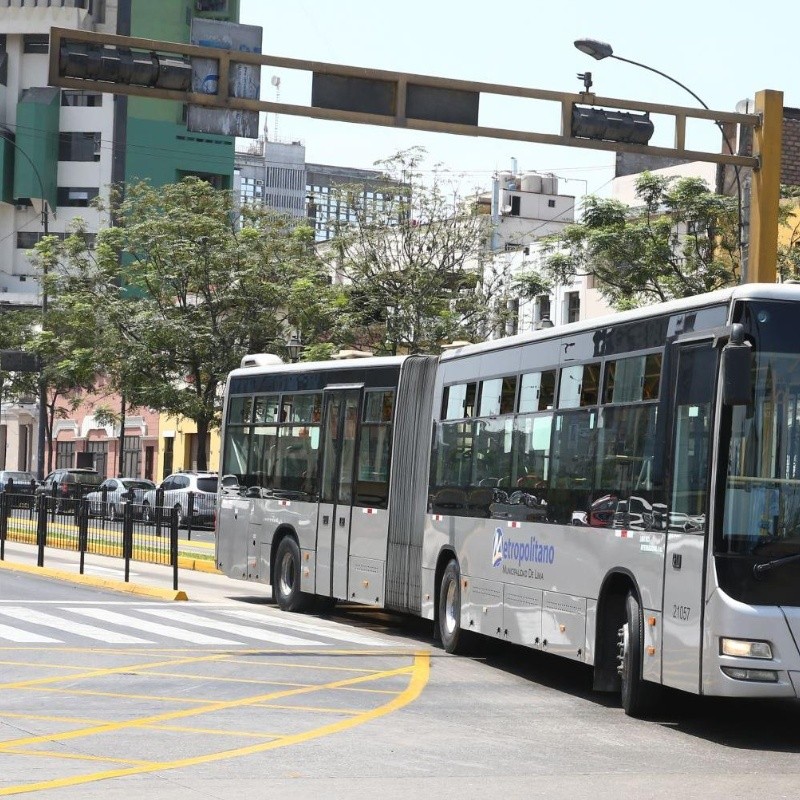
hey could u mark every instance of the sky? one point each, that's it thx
(723, 51)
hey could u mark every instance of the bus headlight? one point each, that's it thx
(744, 648)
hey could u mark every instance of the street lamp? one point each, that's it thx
(9, 136)
(293, 347)
(600, 50)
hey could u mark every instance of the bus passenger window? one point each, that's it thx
(497, 396)
(579, 386)
(537, 391)
(458, 401)
(240, 410)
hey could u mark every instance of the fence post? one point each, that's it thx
(127, 538)
(104, 506)
(173, 546)
(4, 512)
(159, 509)
(82, 514)
(189, 515)
(41, 528)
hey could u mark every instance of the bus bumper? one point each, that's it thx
(726, 675)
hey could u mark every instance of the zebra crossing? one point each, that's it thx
(69, 623)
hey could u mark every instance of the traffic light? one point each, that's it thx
(611, 126)
(122, 65)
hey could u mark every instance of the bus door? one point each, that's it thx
(693, 378)
(338, 446)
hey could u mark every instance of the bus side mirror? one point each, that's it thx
(736, 369)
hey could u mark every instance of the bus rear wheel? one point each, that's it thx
(639, 697)
(449, 617)
(286, 578)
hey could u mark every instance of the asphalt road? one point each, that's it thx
(226, 696)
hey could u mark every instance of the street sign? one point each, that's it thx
(244, 80)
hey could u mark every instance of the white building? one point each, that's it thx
(525, 209)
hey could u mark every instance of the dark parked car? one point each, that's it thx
(19, 486)
(112, 494)
(69, 485)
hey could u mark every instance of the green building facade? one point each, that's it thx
(152, 140)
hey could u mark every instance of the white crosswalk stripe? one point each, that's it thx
(229, 627)
(68, 626)
(210, 625)
(147, 626)
(340, 634)
(18, 635)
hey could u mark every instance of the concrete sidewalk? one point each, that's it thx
(197, 580)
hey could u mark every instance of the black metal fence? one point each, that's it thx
(47, 521)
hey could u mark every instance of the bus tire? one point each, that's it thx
(286, 578)
(452, 636)
(639, 697)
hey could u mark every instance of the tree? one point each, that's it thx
(413, 272)
(682, 241)
(203, 285)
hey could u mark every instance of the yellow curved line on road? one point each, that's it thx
(419, 672)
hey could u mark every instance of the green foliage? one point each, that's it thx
(180, 288)
(410, 272)
(682, 241)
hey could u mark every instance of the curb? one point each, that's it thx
(197, 564)
(101, 583)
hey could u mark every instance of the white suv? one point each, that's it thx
(174, 492)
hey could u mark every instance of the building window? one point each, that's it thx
(78, 196)
(515, 205)
(573, 303)
(74, 97)
(79, 146)
(65, 455)
(99, 451)
(211, 6)
(541, 308)
(551, 203)
(27, 240)
(36, 43)
(132, 456)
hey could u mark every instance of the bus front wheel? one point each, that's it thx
(449, 617)
(639, 697)
(286, 578)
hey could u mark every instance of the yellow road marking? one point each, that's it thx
(419, 672)
(211, 706)
(314, 709)
(46, 718)
(289, 665)
(100, 673)
(213, 731)
(81, 757)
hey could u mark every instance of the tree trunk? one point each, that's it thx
(202, 450)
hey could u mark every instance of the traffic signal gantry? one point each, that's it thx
(156, 69)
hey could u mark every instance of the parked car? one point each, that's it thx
(112, 494)
(174, 491)
(68, 486)
(20, 486)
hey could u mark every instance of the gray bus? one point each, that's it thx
(623, 492)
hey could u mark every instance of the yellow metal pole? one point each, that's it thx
(762, 261)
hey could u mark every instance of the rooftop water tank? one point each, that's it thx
(531, 182)
(549, 184)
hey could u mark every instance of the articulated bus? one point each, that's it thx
(623, 492)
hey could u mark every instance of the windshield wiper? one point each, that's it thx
(760, 569)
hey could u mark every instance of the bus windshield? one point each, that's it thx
(762, 485)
